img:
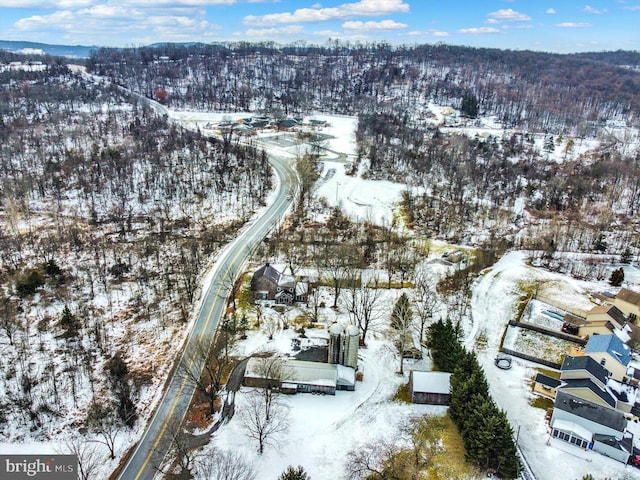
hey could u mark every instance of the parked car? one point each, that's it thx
(570, 328)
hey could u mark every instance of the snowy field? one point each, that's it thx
(370, 200)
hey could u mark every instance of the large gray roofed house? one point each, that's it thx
(269, 272)
(590, 411)
(587, 364)
(604, 395)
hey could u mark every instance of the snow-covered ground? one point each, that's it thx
(362, 199)
(324, 428)
(370, 200)
(493, 304)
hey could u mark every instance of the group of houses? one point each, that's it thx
(339, 373)
(596, 401)
(298, 376)
(616, 315)
(250, 125)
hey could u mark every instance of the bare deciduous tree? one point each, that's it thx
(264, 421)
(104, 422)
(370, 461)
(223, 465)
(265, 415)
(181, 455)
(214, 362)
(336, 263)
(401, 323)
(363, 304)
(9, 321)
(89, 459)
(270, 325)
(425, 300)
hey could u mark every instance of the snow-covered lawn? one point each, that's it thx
(324, 428)
(538, 313)
(536, 344)
(371, 200)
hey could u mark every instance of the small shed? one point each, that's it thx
(432, 388)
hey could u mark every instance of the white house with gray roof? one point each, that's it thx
(576, 420)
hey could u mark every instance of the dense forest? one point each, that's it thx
(109, 216)
(568, 94)
(462, 188)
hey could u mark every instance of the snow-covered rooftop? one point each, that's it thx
(431, 382)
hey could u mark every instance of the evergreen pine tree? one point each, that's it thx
(507, 463)
(465, 387)
(470, 106)
(479, 430)
(69, 322)
(617, 277)
(294, 474)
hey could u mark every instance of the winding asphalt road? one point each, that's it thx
(154, 445)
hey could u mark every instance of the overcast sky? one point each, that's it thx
(548, 25)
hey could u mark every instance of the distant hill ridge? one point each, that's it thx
(619, 58)
(73, 51)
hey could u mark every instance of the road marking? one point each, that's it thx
(182, 386)
(230, 262)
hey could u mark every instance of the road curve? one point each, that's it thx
(155, 443)
(152, 448)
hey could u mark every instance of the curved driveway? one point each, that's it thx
(170, 412)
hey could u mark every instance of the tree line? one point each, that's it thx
(524, 89)
(109, 215)
(485, 429)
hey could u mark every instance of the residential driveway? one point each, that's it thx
(233, 385)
